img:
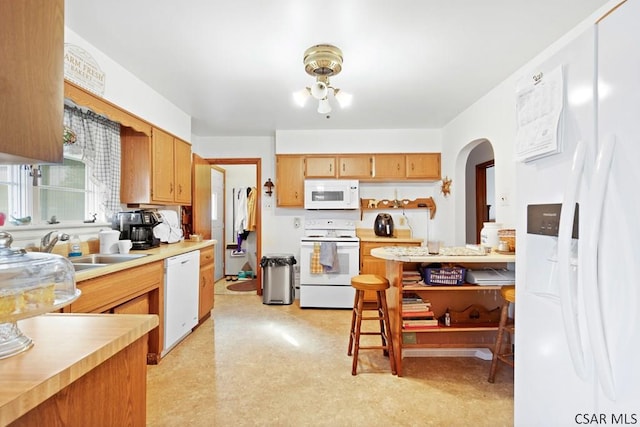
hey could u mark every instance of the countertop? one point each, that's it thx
(419, 254)
(29, 378)
(400, 236)
(156, 254)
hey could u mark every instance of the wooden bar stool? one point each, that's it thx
(362, 283)
(506, 325)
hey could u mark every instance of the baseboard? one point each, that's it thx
(480, 353)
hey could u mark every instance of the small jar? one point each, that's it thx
(447, 319)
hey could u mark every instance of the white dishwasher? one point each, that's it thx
(181, 286)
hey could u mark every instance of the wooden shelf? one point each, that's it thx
(465, 287)
(464, 328)
(420, 203)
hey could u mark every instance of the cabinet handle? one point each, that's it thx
(171, 188)
(330, 167)
(411, 166)
(398, 167)
(343, 167)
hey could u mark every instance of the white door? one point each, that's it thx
(217, 218)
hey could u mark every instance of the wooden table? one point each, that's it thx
(83, 370)
(442, 298)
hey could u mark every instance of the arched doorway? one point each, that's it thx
(479, 188)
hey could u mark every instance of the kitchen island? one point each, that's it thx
(403, 262)
(84, 369)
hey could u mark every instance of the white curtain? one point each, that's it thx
(98, 144)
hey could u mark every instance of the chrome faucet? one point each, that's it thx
(50, 239)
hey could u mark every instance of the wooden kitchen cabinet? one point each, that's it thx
(356, 166)
(171, 169)
(289, 186)
(206, 296)
(126, 291)
(138, 305)
(389, 166)
(320, 167)
(372, 265)
(155, 169)
(32, 75)
(423, 166)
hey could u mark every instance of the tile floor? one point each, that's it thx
(252, 364)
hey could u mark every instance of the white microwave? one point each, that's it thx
(331, 194)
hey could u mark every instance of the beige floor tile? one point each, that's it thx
(266, 365)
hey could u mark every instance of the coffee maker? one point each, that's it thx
(138, 227)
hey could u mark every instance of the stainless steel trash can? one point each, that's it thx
(278, 278)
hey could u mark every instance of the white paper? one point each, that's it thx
(538, 113)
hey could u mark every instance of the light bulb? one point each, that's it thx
(300, 97)
(343, 98)
(319, 90)
(323, 106)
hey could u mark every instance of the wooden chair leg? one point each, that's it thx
(353, 322)
(497, 348)
(387, 336)
(360, 305)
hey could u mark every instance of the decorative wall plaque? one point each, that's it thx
(81, 69)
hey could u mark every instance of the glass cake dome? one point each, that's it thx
(31, 283)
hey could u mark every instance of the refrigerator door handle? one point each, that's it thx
(566, 280)
(589, 267)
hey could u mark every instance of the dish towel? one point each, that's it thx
(329, 257)
(316, 267)
(169, 230)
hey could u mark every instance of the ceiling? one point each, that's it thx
(234, 65)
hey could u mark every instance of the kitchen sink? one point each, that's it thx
(80, 267)
(104, 259)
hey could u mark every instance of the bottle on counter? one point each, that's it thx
(75, 248)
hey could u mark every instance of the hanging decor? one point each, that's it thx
(69, 137)
(446, 186)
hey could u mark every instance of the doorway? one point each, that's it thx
(479, 189)
(252, 245)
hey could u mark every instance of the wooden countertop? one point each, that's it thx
(156, 254)
(66, 346)
(401, 235)
(414, 254)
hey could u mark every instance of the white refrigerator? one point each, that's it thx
(578, 296)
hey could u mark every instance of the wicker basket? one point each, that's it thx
(443, 276)
(509, 236)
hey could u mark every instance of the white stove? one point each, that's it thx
(328, 286)
(343, 230)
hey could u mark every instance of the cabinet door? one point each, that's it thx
(162, 149)
(289, 187)
(320, 167)
(389, 166)
(182, 172)
(139, 305)
(205, 300)
(135, 171)
(356, 167)
(423, 166)
(31, 76)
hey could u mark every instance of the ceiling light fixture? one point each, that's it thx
(322, 61)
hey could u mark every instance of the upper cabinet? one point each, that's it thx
(320, 167)
(390, 166)
(355, 166)
(293, 169)
(31, 76)
(289, 187)
(156, 169)
(424, 166)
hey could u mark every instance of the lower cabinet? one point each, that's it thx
(139, 305)
(136, 290)
(207, 270)
(372, 265)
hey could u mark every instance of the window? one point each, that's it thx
(64, 191)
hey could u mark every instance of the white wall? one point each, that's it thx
(133, 95)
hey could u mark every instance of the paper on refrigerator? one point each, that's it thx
(539, 102)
